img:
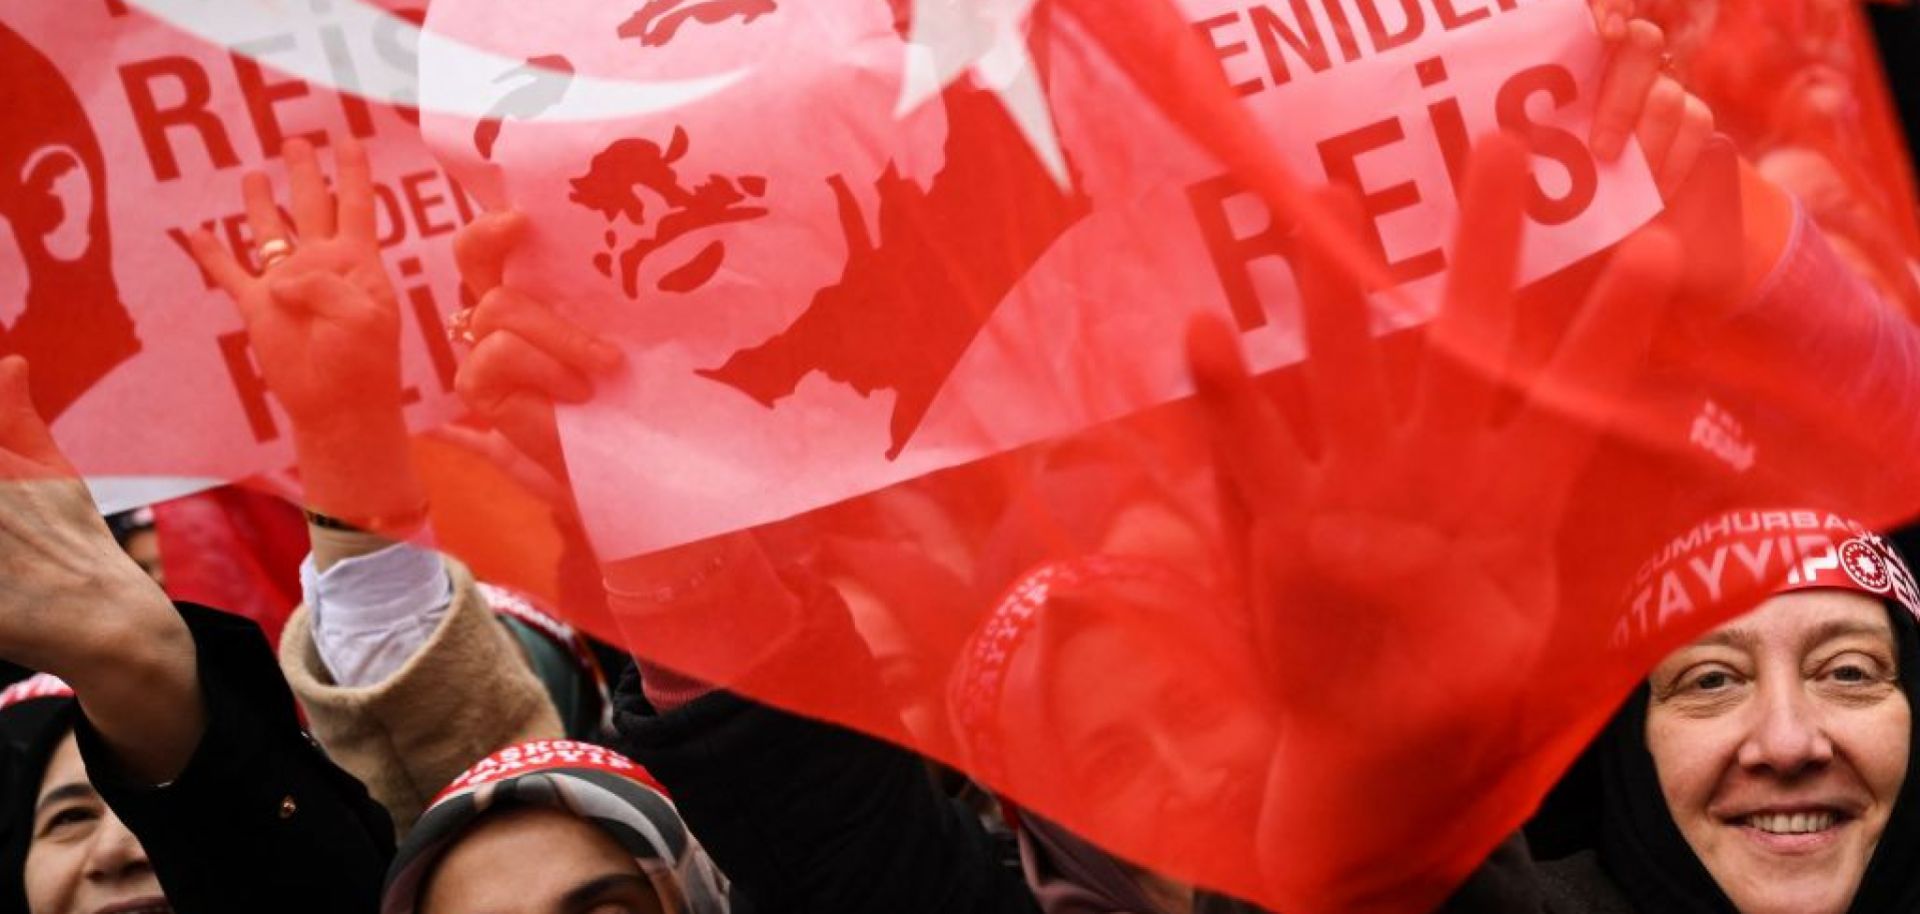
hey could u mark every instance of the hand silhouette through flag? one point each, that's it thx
(1401, 577)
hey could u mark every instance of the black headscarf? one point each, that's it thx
(1643, 851)
(29, 732)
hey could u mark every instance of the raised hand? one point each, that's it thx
(1401, 581)
(525, 357)
(1638, 97)
(56, 554)
(324, 325)
(1364, 552)
(322, 318)
(73, 604)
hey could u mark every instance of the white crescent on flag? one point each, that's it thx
(457, 72)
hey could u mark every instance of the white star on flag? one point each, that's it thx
(988, 38)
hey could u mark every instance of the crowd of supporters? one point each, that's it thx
(420, 740)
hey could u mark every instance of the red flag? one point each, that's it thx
(904, 290)
(235, 549)
(1418, 533)
(130, 134)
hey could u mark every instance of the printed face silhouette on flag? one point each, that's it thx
(127, 135)
(54, 197)
(827, 291)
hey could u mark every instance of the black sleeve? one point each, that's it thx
(1508, 882)
(810, 818)
(1897, 29)
(261, 819)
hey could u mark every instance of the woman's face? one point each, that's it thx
(82, 860)
(1139, 731)
(537, 860)
(1781, 743)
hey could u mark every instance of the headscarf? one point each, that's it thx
(1068, 874)
(979, 677)
(35, 714)
(128, 524)
(1640, 845)
(595, 784)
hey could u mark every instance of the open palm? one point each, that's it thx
(1403, 517)
(1400, 576)
(323, 321)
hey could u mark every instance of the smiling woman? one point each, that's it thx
(1764, 767)
(82, 858)
(1782, 742)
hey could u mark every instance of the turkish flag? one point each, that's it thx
(1319, 639)
(1002, 382)
(903, 289)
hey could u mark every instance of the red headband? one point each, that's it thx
(39, 685)
(1766, 553)
(979, 675)
(547, 755)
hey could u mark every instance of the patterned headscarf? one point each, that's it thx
(35, 715)
(593, 783)
(1068, 874)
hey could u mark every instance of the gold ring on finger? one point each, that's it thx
(270, 252)
(460, 327)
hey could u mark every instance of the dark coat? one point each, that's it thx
(260, 819)
(1512, 882)
(810, 818)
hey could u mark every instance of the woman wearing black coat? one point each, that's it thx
(807, 817)
(175, 777)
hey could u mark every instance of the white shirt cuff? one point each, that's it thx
(372, 613)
